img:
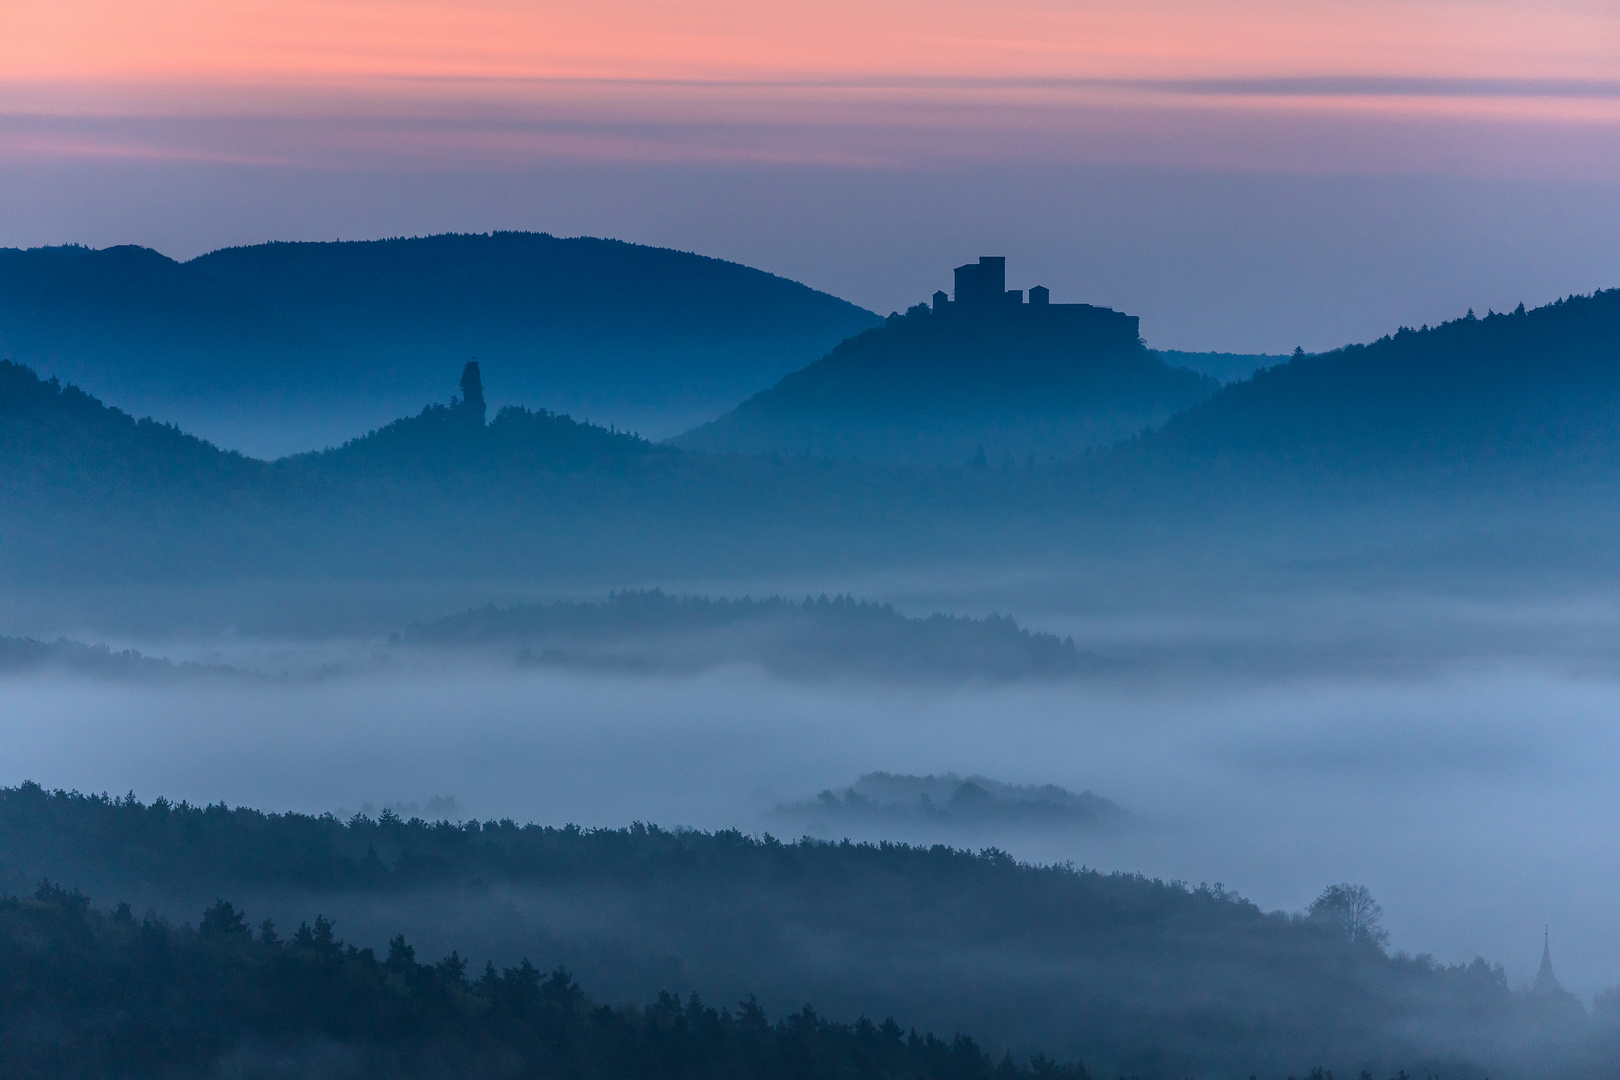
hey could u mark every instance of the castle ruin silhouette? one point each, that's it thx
(982, 297)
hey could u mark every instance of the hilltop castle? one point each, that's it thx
(982, 286)
(982, 296)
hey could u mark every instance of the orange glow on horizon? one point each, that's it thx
(1399, 85)
(322, 41)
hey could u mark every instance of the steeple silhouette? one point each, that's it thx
(1546, 982)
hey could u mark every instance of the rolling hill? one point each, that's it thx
(88, 493)
(1507, 426)
(1527, 397)
(964, 380)
(1227, 367)
(650, 631)
(1136, 976)
(285, 347)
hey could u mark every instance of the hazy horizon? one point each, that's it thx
(1246, 176)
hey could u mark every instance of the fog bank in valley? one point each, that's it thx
(1471, 787)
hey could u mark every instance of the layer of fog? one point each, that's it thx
(1460, 758)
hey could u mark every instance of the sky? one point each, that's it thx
(1244, 174)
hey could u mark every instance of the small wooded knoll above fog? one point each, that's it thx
(880, 798)
(651, 631)
(1430, 434)
(296, 345)
(1125, 973)
(19, 655)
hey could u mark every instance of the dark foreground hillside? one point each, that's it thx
(92, 995)
(1127, 974)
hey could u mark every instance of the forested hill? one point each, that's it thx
(949, 386)
(1527, 396)
(1227, 367)
(89, 493)
(92, 995)
(649, 630)
(126, 319)
(455, 441)
(1134, 976)
(285, 347)
(27, 655)
(1465, 424)
(59, 438)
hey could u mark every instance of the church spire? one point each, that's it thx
(472, 394)
(1546, 982)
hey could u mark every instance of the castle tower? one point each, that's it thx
(472, 394)
(982, 286)
(1546, 982)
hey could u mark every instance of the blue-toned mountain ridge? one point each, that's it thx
(1507, 422)
(283, 347)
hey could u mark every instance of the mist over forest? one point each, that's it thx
(971, 691)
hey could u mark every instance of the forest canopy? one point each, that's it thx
(1123, 972)
(650, 630)
(88, 994)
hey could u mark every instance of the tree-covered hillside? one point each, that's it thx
(1131, 975)
(649, 630)
(1500, 425)
(59, 437)
(92, 995)
(944, 387)
(28, 655)
(126, 319)
(1227, 367)
(1527, 395)
(283, 347)
(92, 494)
